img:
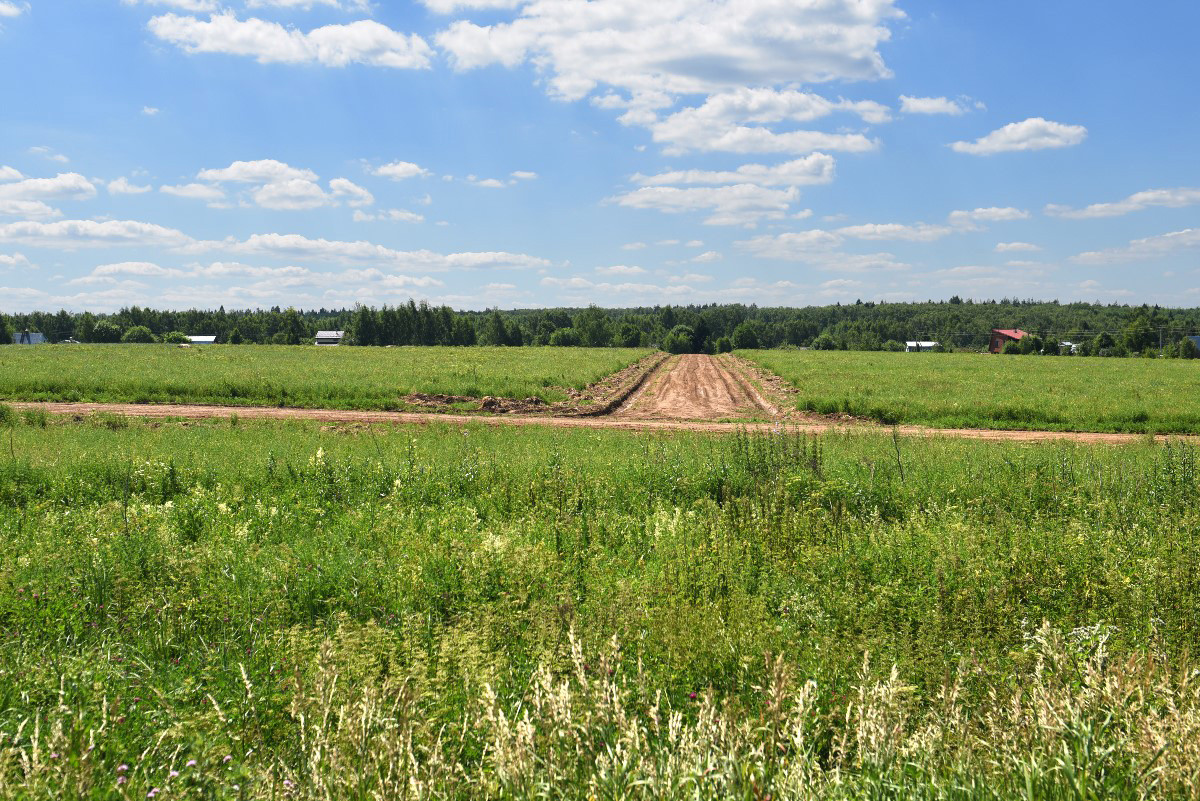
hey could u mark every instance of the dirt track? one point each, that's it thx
(694, 387)
(689, 393)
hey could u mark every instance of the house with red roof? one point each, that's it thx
(1002, 336)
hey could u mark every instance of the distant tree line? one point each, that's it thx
(1094, 329)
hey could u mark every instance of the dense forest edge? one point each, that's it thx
(1057, 329)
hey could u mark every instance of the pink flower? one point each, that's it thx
(122, 768)
(191, 763)
(121, 780)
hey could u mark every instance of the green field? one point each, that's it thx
(338, 378)
(288, 610)
(985, 391)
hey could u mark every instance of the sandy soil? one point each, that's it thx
(695, 387)
(685, 393)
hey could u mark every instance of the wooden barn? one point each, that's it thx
(1002, 336)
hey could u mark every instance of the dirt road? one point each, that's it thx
(687, 393)
(695, 387)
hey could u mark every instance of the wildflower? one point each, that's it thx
(122, 768)
(226, 759)
(153, 792)
(121, 780)
(191, 763)
(172, 774)
(54, 755)
(692, 696)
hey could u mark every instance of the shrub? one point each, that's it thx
(106, 331)
(175, 338)
(140, 335)
(680, 340)
(724, 345)
(824, 342)
(565, 337)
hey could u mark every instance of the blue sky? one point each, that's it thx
(519, 153)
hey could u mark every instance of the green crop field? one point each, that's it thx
(339, 378)
(985, 391)
(227, 609)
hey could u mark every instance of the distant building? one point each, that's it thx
(1002, 336)
(1074, 346)
(202, 340)
(29, 338)
(330, 337)
(916, 346)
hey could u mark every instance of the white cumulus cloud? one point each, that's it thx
(354, 195)
(123, 186)
(931, 105)
(817, 168)
(91, 233)
(1169, 198)
(681, 47)
(194, 191)
(1034, 133)
(360, 42)
(400, 170)
(255, 172)
(738, 204)
(1147, 248)
(11, 9)
(64, 186)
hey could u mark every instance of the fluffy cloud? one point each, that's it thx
(486, 183)
(13, 260)
(28, 209)
(523, 175)
(1170, 198)
(389, 215)
(720, 123)
(297, 246)
(64, 186)
(90, 233)
(970, 219)
(817, 168)
(205, 192)
(48, 153)
(122, 186)
(296, 194)
(10, 174)
(400, 170)
(1034, 133)
(1147, 248)
(11, 9)
(1009, 247)
(820, 249)
(681, 46)
(354, 195)
(360, 42)
(256, 172)
(621, 269)
(931, 105)
(919, 232)
(739, 204)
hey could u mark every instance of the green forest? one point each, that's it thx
(1095, 329)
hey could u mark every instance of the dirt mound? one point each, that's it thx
(696, 387)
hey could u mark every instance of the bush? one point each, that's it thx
(724, 345)
(680, 340)
(565, 338)
(235, 337)
(175, 338)
(139, 335)
(1187, 349)
(106, 331)
(745, 337)
(824, 342)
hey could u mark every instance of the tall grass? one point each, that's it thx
(342, 377)
(445, 612)
(984, 391)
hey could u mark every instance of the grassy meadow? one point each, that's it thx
(339, 378)
(226, 609)
(973, 390)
